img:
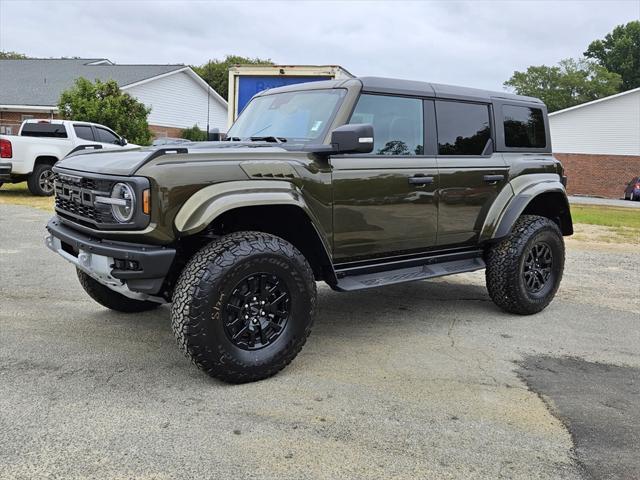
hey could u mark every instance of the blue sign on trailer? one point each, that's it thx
(250, 85)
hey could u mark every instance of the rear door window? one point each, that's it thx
(44, 129)
(398, 123)
(84, 132)
(463, 128)
(523, 127)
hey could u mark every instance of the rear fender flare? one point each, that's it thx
(507, 209)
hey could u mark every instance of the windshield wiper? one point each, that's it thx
(269, 138)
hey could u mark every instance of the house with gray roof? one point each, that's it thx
(178, 97)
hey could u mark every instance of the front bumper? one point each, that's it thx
(136, 271)
(5, 171)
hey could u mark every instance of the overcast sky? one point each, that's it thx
(473, 43)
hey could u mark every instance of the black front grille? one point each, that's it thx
(75, 200)
(91, 184)
(75, 208)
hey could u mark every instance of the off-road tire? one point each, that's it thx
(34, 180)
(205, 287)
(110, 299)
(505, 264)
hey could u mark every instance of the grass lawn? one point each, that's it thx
(18, 194)
(606, 216)
(611, 224)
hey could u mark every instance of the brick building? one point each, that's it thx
(177, 96)
(599, 144)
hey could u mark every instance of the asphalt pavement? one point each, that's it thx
(421, 380)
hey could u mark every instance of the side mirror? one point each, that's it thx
(353, 138)
(123, 142)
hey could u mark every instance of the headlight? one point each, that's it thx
(123, 205)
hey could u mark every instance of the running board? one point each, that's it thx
(401, 275)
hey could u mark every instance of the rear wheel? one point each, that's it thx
(110, 299)
(525, 269)
(243, 306)
(41, 180)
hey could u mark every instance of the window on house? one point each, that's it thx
(523, 127)
(463, 128)
(397, 123)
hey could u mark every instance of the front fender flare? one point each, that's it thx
(210, 202)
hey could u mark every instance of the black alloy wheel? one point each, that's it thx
(243, 306)
(538, 267)
(257, 311)
(524, 270)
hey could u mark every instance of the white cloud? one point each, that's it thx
(473, 43)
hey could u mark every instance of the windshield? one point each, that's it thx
(301, 116)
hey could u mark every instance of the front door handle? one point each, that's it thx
(420, 180)
(493, 178)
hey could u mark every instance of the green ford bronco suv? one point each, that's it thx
(359, 183)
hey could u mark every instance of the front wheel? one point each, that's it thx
(525, 269)
(41, 180)
(243, 306)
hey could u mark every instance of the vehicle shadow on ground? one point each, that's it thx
(418, 297)
(346, 310)
(369, 315)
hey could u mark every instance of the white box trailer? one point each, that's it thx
(247, 80)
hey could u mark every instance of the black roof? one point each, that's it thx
(411, 88)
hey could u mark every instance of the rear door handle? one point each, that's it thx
(493, 178)
(420, 180)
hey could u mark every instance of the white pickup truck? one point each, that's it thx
(31, 154)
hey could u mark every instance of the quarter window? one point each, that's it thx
(397, 123)
(523, 127)
(463, 128)
(84, 132)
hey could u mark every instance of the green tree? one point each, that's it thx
(12, 55)
(105, 103)
(569, 83)
(619, 52)
(216, 72)
(194, 134)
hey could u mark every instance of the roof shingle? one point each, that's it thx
(41, 81)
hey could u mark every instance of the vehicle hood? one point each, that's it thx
(107, 162)
(127, 162)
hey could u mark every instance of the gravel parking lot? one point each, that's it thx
(423, 380)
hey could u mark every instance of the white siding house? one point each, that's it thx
(598, 144)
(178, 97)
(179, 100)
(608, 126)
